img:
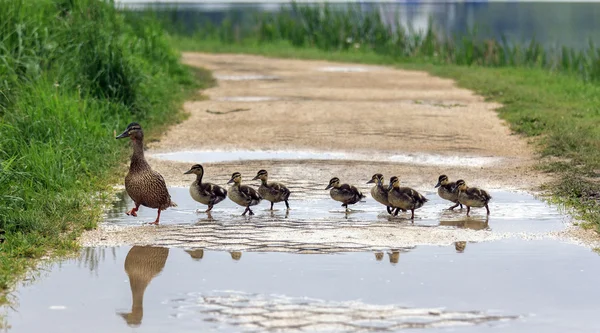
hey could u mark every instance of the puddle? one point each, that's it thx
(508, 286)
(351, 69)
(246, 77)
(317, 224)
(246, 98)
(251, 155)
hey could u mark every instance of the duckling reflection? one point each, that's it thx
(460, 246)
(473, 224)
(196, 254)
(394, 256)
(236, 255)
(378, 256)
(142, 264)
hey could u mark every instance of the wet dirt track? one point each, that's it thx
(317, 268)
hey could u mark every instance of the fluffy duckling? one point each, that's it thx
(241, 194)
(145, 186)
(404, 197)
(379, 193)
(273, 192)
(205, 193)
(472, 196)
(347, 194)
(446, 191)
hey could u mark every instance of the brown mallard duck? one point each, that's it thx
(380, 193)
(205, 193)
(472, 196)
(404, 197)
(243, 195)
(145, 186)
(446, 191)
(273, 191)
(347, 194)
(142, 264)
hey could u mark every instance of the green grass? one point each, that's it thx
(71, 73)
(559, 112)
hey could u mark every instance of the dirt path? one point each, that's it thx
(385, 120)
(325, 106)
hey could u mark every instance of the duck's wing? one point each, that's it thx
(349, 192)
(158, 187)
(478, 194)
(210, 189)
(250, 193)
(411, 195)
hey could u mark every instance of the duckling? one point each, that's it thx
(404, 197)
(379, 193)
(273, 192)
(145, 186)
(241, 194)
(205, 193)
(347, 194)
(472, 196)
(445, 191)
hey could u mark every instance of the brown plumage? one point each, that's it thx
(205, 193)
(273, 191)
(347, 194)
(472, 196)
(145, 186)
(404, 197)
(379, 193)
(142, 264)
(446, 190)
(241, 194)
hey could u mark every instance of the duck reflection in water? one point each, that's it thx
(236, 255)
(142, 264)
(460, 246)
(469, 223)
(196, 254)
(394, 256)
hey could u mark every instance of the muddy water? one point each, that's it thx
(504, 286)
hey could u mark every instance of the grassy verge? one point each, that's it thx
(559, 111)
(71, 73)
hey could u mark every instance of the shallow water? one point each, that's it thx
(211, 156)
(503, 286)
(511, 212)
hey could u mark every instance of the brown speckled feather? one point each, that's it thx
(406, 198)
(274, 192)
(144, 185)
(347, 194)
(244, 195)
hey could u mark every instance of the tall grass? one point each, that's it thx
(71, 73)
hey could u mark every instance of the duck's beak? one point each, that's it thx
(328, 187)
(371, 181)
(255, 177)
(390, 187)
(454, 188)
(230, 181)
(188, 172)
(123, 135)
(438, 185)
